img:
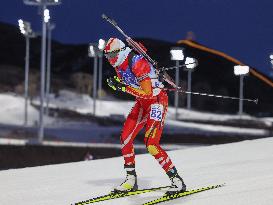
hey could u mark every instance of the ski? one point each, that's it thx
(166, 198)
(119, 195)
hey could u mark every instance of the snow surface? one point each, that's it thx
(12, 111)
(246, 168)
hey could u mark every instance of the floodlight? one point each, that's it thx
(101, 44)
(271, 58)
(92, 51)
(241, 70)
(46, 15)
(42, 2)
(190, 63)
(25, 28)
(177, 53)
(21, 26)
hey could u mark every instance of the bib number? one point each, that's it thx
(156, 112)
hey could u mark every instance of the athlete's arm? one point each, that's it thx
(141, 69)
(144, 92)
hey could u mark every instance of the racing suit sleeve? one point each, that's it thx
(141, 69)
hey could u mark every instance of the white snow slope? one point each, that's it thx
(246, 168)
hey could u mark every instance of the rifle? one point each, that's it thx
(139, 49)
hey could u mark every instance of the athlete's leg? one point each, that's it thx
(154, 128)
(133, 124)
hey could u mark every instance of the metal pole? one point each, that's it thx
(241, 94)
(48, 67)
(42, 90)
(176, 96)
(95, 84)
(26, 80)
(100, 75)
(189, 90)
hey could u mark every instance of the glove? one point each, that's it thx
(115, 84)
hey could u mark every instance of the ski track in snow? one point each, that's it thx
(246, 168)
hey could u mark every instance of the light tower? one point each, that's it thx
(176, 55)
(25, 29)
(101, 46)
(45, 17)
(241, 71)
(190, 63)
(93, 53)
(50, 27)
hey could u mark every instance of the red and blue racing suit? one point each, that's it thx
(149, 110)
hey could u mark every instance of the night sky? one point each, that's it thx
(240, 28)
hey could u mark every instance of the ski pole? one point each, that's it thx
(173, 67)
(179, 89)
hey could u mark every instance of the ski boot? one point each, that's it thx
(178, 184)
(130, 183)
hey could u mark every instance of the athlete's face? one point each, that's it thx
(113, 56)
(113, 60)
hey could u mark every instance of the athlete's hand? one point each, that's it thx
(115, 84)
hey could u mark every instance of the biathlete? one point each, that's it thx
(136, 76)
